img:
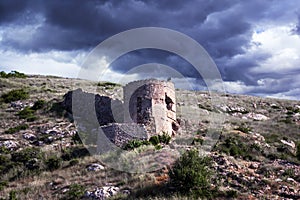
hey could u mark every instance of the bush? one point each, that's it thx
(12, 195)
(16, 129)
(73, 162)
(28, 114)
(154, 140)
(132, 144)
(108, 85)
(25, 155)
(74, 152)
(15, 95)
(3, 184)
(53, 163)
(157, 139)
(164, 138)
(239, 148)
(198, 141)
(75, 191)
(39, 104)
(244, 129)
(191, 174)
(11, 74)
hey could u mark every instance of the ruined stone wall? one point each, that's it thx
(152, 103)
(122, 133)
(89, 107)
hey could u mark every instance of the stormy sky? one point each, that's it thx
(255, 44)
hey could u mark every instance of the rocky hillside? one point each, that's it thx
(253, 143)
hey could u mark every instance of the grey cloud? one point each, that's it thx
(223, 27)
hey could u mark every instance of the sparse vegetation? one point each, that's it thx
(53, 163)
(239, 149)
(155, 140)
(16, 129)
(39, 104)
(58, 109)
(192, 175)
(164, 138)
(3, 184)
(12, 74)
(76, 191)
(198, 141)
(15, 95)
(27, 154)
(57, 168)
(132, 144)
(28, 114)
(74, 152)
(108, 85)
(243, 128)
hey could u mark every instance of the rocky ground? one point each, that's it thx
(252, 141)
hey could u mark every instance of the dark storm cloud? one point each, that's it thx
(78, 24)
(136, 58)
(223, 27)
(11, 10)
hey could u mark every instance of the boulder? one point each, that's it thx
(29, 136)
(95, 167)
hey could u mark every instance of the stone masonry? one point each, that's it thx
(152, 103)
(149, 109)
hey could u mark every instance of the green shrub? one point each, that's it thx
(244, 129)
(75, 191)
(191, 174)
(4, 159)
(154, 140)
(3, 74)
(14, 74)
(3, 184)
(108, 85)
(132, 144)
(198, 140)
(12, 195)
(27, 154)
(4, 150)
(158, 147)
(74, 152)
(164, 138)
(15, 95)
(16, 129)
(289, 173)
(73, 162)
(28, 114)
(53, 163)
(231, 194)
(39, 104)
(271, 138)
(157, 139)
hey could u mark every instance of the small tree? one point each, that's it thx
(53, 163)
(191, 174)
(15, 95)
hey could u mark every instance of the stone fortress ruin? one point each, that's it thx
(148, 108)
(151, 103)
